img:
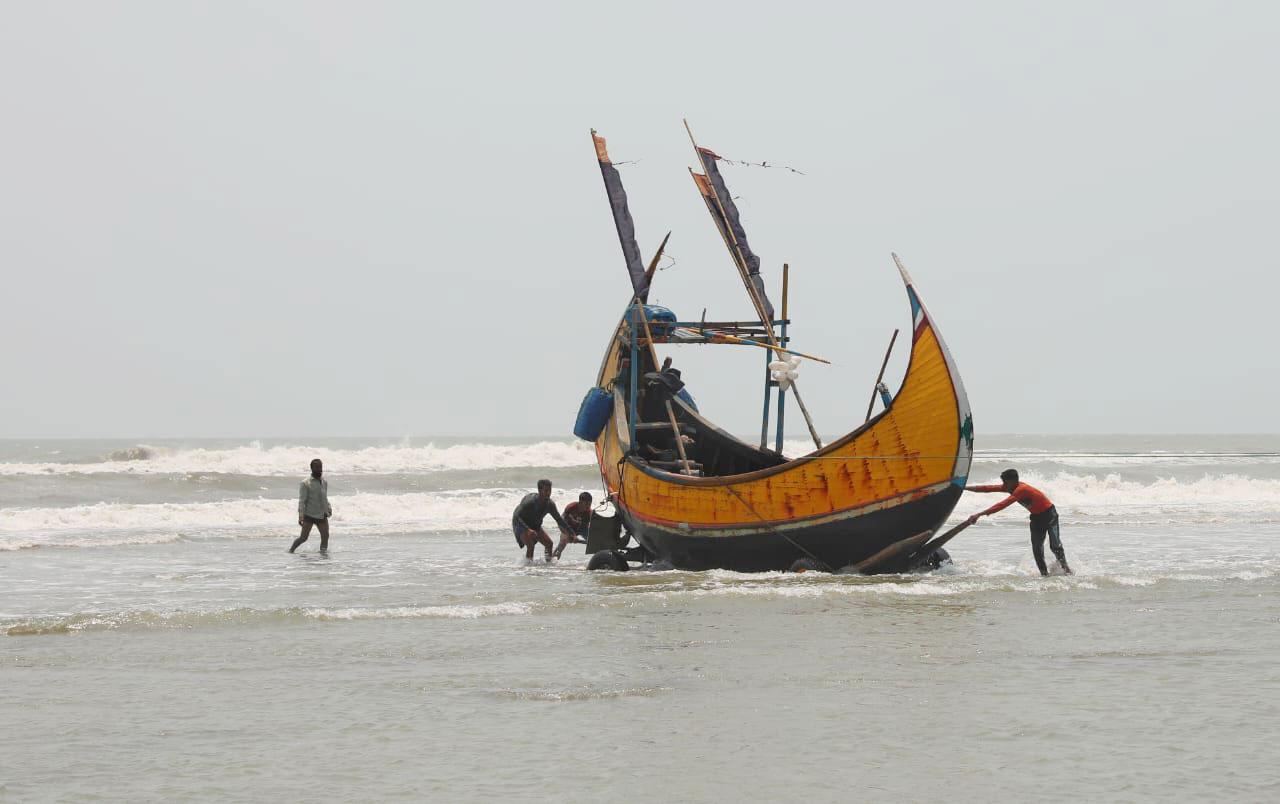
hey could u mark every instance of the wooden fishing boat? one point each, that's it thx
(700, 498)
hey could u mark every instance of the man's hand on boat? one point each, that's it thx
(972, 519)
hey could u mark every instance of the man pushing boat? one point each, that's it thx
(1044, 516)
(578, 515)
(526, 521)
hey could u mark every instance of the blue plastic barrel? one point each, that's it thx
(660, 319)
(593, 414)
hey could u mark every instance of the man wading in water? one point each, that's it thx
(1044, 516)
(578, 515)
(526, 522)
(313, 507)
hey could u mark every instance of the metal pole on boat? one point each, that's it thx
(782, 341)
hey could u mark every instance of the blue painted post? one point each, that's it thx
(635, 377)
(782, 394)
(768, 387)
(782, 341)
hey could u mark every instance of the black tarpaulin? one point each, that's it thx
(621, 216)
(730, 219)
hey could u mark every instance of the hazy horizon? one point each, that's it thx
(314, 219)
(481, 437)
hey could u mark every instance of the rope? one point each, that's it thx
(761, 165)
(1038, 456)
(774, 530)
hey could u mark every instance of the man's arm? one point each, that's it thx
(302, 501)
(519, 512)
(555, 514)
(984, 488)
(328, 506)
(572, 516)
(1000, 506)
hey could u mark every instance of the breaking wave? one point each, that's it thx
(1111, 495)
(110, 524)
(1103, 498)
(257, 460)
(147, 619)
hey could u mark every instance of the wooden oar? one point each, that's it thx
(891, 552)
(941, 540)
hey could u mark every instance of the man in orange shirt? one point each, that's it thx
(1044, 516)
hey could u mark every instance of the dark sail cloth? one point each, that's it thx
(725, 212)
(530, 513)
(621, 217)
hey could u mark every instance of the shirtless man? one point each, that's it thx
(526, 521)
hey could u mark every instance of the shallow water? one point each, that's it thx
(159, 643)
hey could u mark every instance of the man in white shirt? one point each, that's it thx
(313, 507)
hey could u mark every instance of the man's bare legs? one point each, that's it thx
(566, 539)
(322, 525)
(306, 531)
(533, 538)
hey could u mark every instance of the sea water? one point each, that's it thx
(157, 641)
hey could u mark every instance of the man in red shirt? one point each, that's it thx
(1044, 516)
(578, 515)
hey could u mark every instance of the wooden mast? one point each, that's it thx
(739, 262)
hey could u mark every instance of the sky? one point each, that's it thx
(322, 219)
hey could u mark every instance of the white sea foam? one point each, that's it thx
(107, 524)
(257, 460)
(1110, 499)
(1111, 494)
(254, 459)
(153, 619)
(463, 612)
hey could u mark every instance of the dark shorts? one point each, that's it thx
(311, 520)
(519, 528)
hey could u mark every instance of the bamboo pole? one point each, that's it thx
(653, 267)
(735, 251)
(739, 261)
(786, 274)
(675, 430)
(880, 376)
(734, 339)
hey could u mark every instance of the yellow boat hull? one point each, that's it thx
(895, 477)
